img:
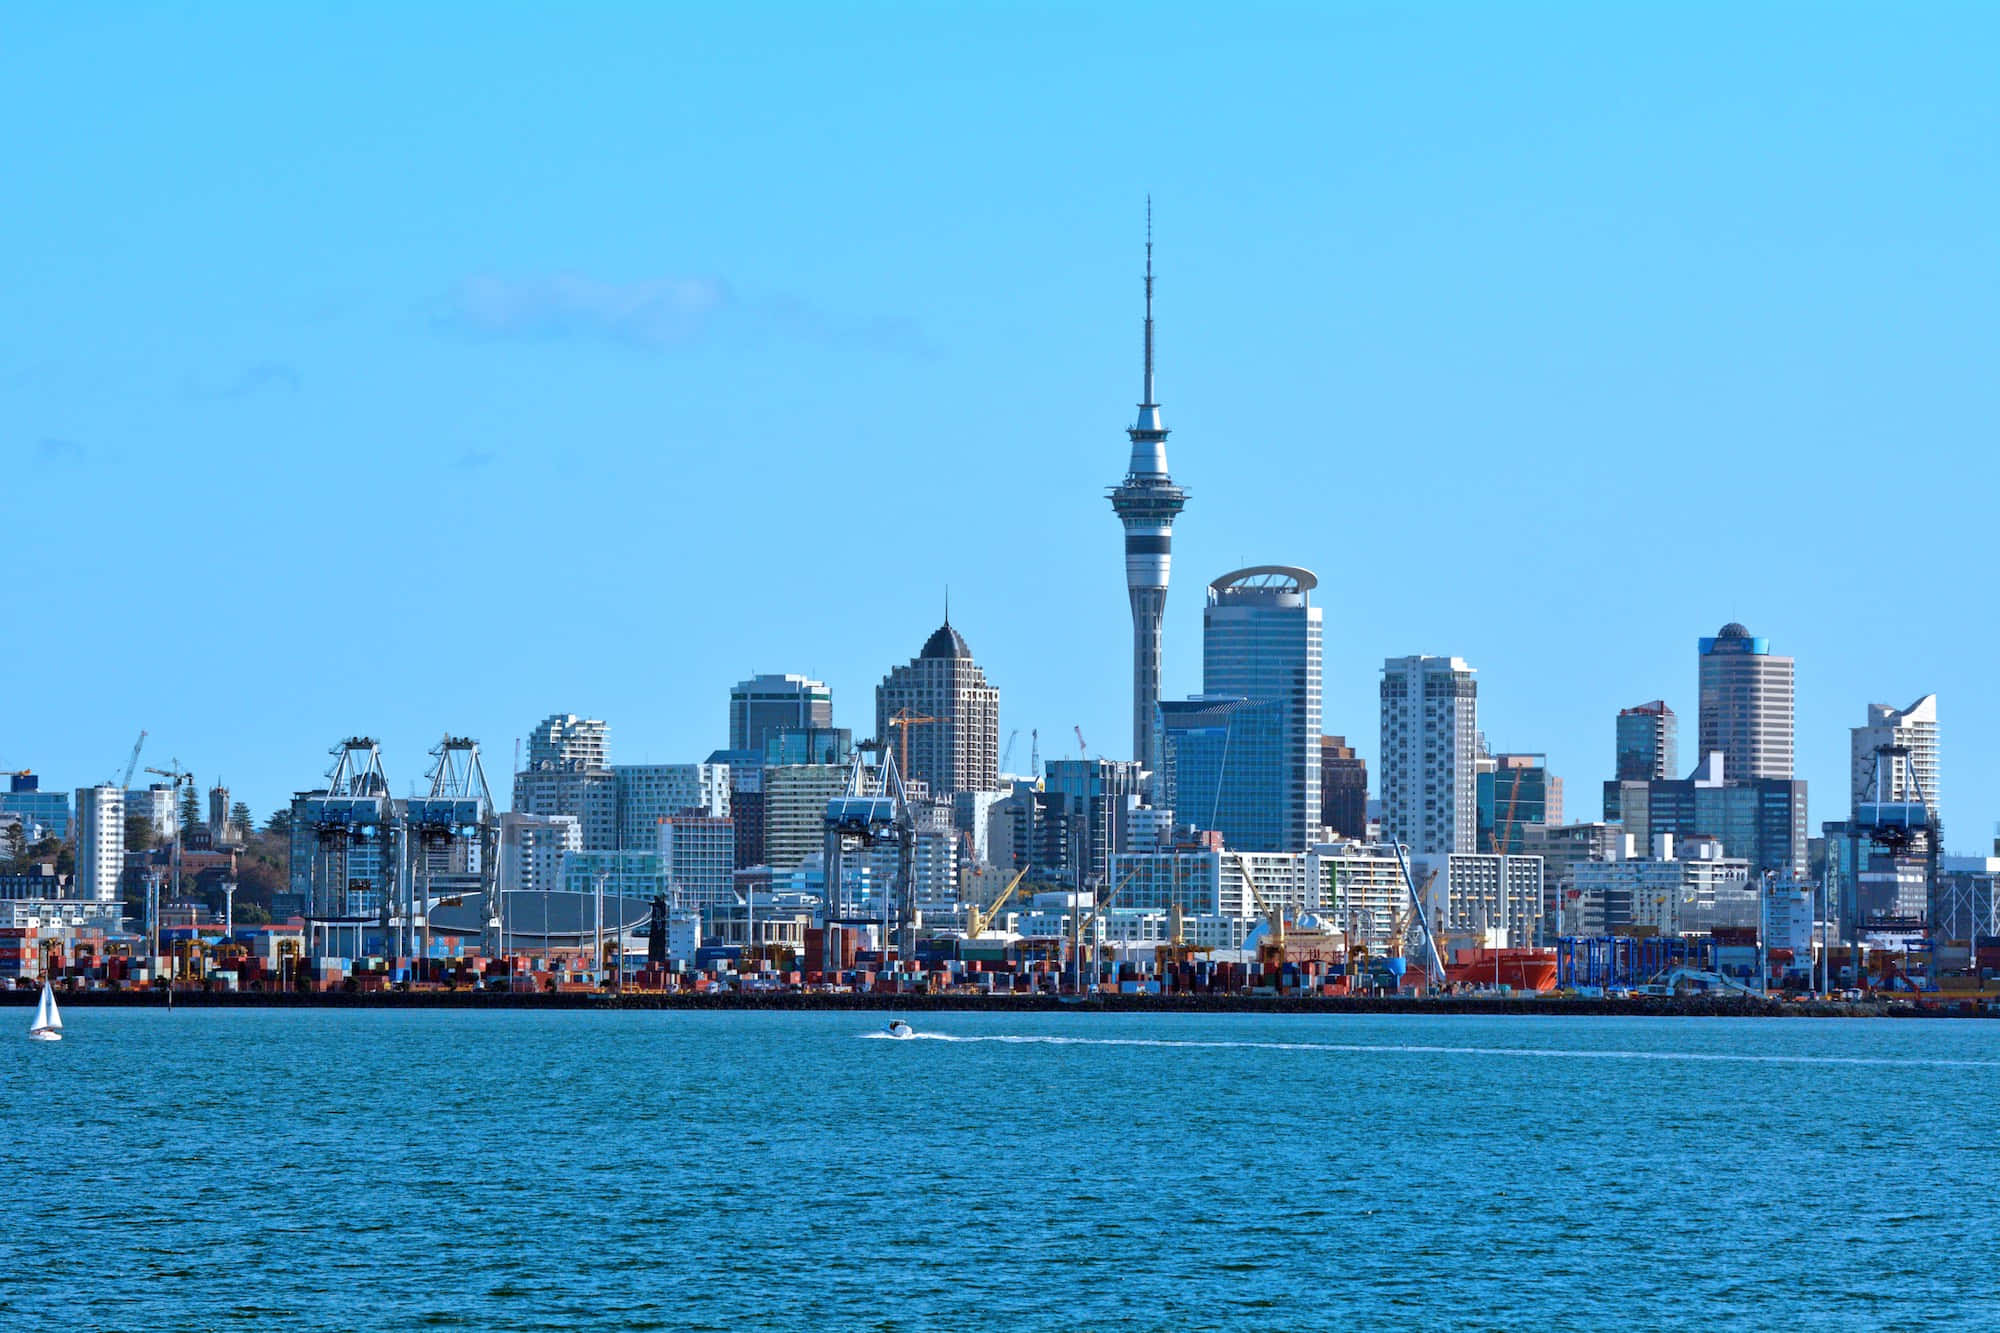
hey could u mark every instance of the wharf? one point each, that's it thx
(800, 1002)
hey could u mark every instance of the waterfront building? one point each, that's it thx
(1914, 729)
(532, 848)
(1686, 888)
(1746, 704)
(100, 843)
(48, 810)
(699, 853)
(1562, 847)
(1515, 791)
(1343, 788)
(1147, 501)
(1261, 642)
(766, 704)
(1481, 892)
(624, 874)
(649, 793)
(795, 797)
(569, 773)
(1430, 730)
(1360, 888)
(958, 749)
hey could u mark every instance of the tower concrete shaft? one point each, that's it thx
(1147, 502)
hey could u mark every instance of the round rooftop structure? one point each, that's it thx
(1733, 631)
(1268, 578)
(946, 643)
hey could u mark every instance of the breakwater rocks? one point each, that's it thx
(802, 1002)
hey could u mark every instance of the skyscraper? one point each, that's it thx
(1343, 788)
(1648, 742)
(1261, 642)
(958, 748)
(1746, 705)
(1430, 740)
(569, 773)
(762, 705)
(1914, 729)
(100, 842)
(1147, 502)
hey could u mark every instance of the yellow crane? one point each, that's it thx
(904, 720)
(977, 922)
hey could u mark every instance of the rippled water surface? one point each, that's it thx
(385, 1169)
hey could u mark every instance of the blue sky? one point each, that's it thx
(404, 369)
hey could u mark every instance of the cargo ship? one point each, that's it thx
(1520, 969)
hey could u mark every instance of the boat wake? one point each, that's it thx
(1516, 1052)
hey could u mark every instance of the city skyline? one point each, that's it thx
(1575, 321)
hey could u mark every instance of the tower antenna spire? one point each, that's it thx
(1149, 303)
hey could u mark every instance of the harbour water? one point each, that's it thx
(386, 1169)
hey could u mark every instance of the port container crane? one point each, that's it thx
(977, 922)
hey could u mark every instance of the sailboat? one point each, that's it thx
(48, 1019)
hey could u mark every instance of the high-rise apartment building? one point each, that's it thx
(1648, 743)
(699, 852)
(1517, 790)
(766, 704)
(100, 843)
(1746, 705)
(958, 748)
(1261, 643)
(1430, 742)
(648, 794)
(1343, 788)
(532, 848)
(795, 797)
(1913, 730)
(1097, 789)
(569, 773)
(1146, 503)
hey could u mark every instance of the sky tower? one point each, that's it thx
(1146, 503)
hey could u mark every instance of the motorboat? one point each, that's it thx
(48, 1019)
(899, 1029)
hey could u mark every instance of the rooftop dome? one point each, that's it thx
(947, 642)
(1733, 631)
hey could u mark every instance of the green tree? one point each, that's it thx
(140, 835)
(14, 841)
(280, 822)
(240, 816)
(190, 809)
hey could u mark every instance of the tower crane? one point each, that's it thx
(903, 721)
(1035, 753)
(1082, 750)
(1007, 755)
(1506, 825)
(132, 764)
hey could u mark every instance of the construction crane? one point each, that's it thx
(1007, 755)
(1082, 750)
(1401, 926)
(1434, 961)
(1507, 824)
(1035, 754)
(132, 764)
(977, 922)
(903, 721)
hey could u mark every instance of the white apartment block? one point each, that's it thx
(1663, 895)
(699, 854)
(531, 850)
(650, 793)
(795, 797)
(1481, 892)
(1915, 728)
(1430, 743)
(100, 842)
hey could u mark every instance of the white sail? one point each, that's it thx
(47, 1017)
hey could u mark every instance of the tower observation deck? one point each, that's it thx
(1147, 502)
